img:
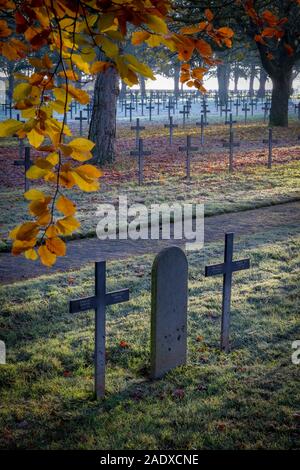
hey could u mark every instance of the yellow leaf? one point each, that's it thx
(9, 127)
(80, 63)
(154, 40)
(89, 170)
(157, 24)
(21, 91)
(138, 67)
(78, 148)
(31, 254)
(27, 231)
(56, 246)
(47, 258)
(66, 206)
(53, 158)
(19, 246)
(67, 225)
(81, 143)
(34, 195)
(35, 172)
(70, 74)
(44, 218)
(100, 66)
(109, 48)
(79, 95)
(52, 231)
(40, 207)
(139, 36)
(35, 138)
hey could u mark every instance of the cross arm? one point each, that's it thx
(80, 305)
(240, 265)
(214, 270)
(117, 297)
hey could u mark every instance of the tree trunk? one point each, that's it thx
(123, 89)
(103, 120)
(142, 85)
(236, 78)
(223, 74)
(176, 79)
(10, 88)
(280, 74)
(280, 98)
(263, 77)
(251, 82)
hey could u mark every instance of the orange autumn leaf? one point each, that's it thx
(66, 206)
(56, 246)
(47, 258)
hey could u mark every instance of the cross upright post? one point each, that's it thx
(227, 268)
(142, 103)
(150, 107)
(185, 112)
(202, 124)
(170, 106)
(80, 119)
(98, 302)
(265, 109)
(270, 141)
(140, 153)
(230, 122)
(26, 162)
(246, 110)
(171, 126)
(188, 149)
(130, 108)
(225, 110)
(236, 105)
(231, 144)
(137, 128)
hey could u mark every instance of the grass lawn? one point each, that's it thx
(247, 399)
(221, 192)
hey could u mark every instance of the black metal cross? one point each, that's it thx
(129, 107)
(171, 126)
(87, 109)
(98, 302)
(137, 128)
(205, 110)
(188, 149)
(142, 103)
(297, 108)
(237, 105)
(140, 153)
(253, 104)
(26, 162)
(227, 268)
(246, 111)
(270, 141)
(170, 106)
(202, 124)
(150, 107)
(158, 103)
(231, 146)
(266, 109)
(225, 110)
(185, 112)
(230, 122)
(80, 119)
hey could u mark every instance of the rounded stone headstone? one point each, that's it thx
(169, 311)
